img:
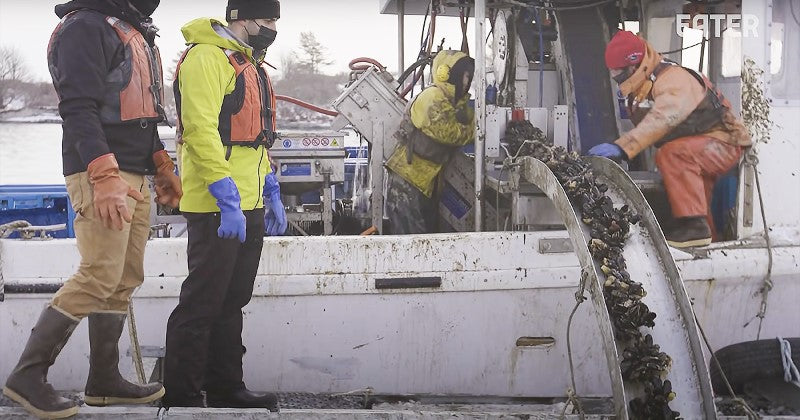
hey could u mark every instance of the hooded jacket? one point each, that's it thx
(204, 78)
(440, 126)
(82, 56)
(671, 99)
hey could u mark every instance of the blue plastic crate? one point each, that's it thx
(39, 205)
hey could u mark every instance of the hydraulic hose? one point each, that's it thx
(411, 68)
(306, 105)
(413, 82)
(355, 67)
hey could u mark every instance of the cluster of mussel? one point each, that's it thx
(523, 139)
(642, 360)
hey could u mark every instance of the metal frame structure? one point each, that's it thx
(653, 265)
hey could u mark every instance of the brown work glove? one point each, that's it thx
(110, 192)
(168, 185)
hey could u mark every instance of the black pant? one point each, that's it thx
(204, 332)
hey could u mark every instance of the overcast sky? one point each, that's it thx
(347, 28)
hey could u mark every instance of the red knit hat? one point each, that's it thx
(625, 49)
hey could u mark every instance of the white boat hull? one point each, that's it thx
(317, 323)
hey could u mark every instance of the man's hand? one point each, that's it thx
(608, 150)
(274, 211)
(167, 184)
(233, 224)
(111, 192)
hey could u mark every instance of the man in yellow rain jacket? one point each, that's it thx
(438, 122)
(226, 109)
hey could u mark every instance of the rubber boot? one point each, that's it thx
(27, 384)
(242, 398)
(689, 232)
(105, 385)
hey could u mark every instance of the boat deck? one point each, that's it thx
(409, 413)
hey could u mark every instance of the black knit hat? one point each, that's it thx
(252, 9)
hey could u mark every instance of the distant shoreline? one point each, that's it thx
(31, 122)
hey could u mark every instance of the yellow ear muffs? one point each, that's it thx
(443, 73)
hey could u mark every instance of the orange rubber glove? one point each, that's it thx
(168, 185)
(110, 192)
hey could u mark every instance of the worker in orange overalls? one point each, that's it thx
(679, 111)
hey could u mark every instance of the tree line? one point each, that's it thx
(17, 90)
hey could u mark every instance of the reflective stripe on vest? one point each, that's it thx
(708, 114)
(244, 120)
(134, 87)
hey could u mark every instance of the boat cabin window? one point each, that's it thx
(693, 50)
(732, 50)
(786, 41)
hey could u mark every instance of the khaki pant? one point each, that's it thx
(112, 261)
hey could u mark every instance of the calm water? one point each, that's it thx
(30, 154)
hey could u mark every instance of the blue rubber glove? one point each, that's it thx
(233, 223)
(608, 150)
(274, 212)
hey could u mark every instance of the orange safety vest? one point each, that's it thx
(247, 116)
(708, 115)
(134, 88)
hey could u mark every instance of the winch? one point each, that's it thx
(305, 164)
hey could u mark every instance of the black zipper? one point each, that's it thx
(156, 86)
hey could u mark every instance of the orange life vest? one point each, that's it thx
(247, 116)
(707, 116)
(134, 88)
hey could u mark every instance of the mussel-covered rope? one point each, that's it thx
(755, 110)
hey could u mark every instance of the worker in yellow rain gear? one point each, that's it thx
(438, 122)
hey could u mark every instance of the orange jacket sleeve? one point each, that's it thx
(676, 94)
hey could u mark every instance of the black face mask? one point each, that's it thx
(145, 7)
(263, 39)
(620, 78)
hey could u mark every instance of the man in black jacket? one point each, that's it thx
(106, 70)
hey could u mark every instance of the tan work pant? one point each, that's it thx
(112, 261)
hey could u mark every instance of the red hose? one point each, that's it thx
(368, 60)
(306, 105)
